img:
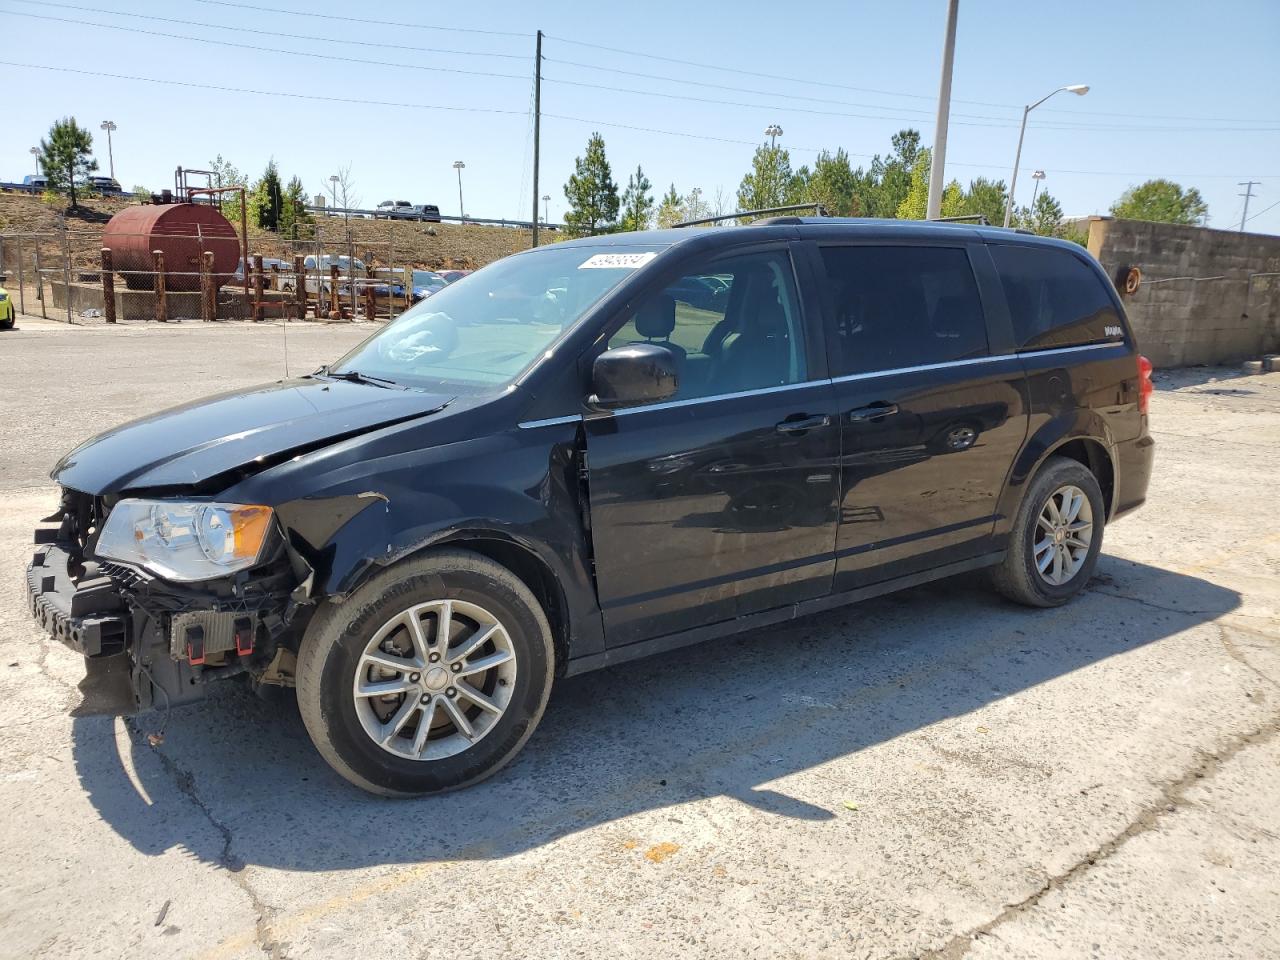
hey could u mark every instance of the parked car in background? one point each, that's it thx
(564, 465)
(8, 312)
(453, 276)
(269, 276)
(103, 185)
(427, 282)
(318, 271)
(391, 208)
(428, 213)
(36, 181)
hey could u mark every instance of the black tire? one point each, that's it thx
(1017, 577)
(338, 634)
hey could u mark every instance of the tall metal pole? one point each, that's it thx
(458, 165)
(1248, 192)
(537, 129)
(1017, 159)
(937, 170)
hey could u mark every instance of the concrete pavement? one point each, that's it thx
(933, 774)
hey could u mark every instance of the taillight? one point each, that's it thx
(1145, 386)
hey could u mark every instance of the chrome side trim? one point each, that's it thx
(671, 404)
(975, 360)
(924, 366)
(549, 422)
(1083, 347)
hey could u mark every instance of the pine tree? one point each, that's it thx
(67, 156)
(637, 202)
(671, 209)
(591, 192)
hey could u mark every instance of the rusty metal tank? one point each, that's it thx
(182, 231)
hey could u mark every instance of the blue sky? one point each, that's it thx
(1182, 90)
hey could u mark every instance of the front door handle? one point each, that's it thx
(803, 424)
(873, 411)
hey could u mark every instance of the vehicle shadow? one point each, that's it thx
(726, 718)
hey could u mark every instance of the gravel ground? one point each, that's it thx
(934, 774)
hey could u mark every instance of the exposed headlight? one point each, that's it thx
(185, 541)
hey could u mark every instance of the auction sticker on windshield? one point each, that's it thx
(617, 261)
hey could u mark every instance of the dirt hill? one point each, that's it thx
(435, 246)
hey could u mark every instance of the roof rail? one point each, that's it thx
(818, 208)
(979, 218)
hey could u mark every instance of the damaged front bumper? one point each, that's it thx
(176, 639)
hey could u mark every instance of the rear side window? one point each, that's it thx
(902, 307)
(1055, 300)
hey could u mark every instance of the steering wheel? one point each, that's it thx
(713, 346)
(434, 341)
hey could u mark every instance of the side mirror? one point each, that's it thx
(633, 375)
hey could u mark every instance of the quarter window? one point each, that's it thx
(900, 307)
(734, 326)
(1054, 299)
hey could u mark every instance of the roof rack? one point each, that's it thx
(818, 208)
(979, 218)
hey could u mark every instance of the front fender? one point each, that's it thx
(350, 516)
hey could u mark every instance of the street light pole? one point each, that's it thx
(35, 152)
(1079, 89)
(109, 126)
(546, 208)
(937, 169)
(1037, 176)
(333, 188)
(773, 131)
(459, 165)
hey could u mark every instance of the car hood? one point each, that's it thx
(195, 442)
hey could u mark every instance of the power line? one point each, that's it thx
(871, 106)
(344, 41)
(1262, 211)
(271, 50)
(347, 19)
(844, 86)
(1123, 128)
(586, 120)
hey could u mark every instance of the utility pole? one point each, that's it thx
(537, 129)
(1248, 192)
(937, 169)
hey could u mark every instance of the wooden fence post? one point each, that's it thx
(335, 303)
(108, 286)
(257, 288)
(162, 312)
(207, 311)
(370, 303)
(44, 314)
(300, 285)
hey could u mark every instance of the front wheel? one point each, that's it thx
(428, 678)
(1056, 536)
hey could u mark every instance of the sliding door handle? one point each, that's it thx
(873, 411)
(802, 424)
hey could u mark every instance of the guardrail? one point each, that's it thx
(363, 214)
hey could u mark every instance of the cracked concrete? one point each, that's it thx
(936, 774)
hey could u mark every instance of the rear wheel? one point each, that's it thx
(1056, 536)
(430, 677)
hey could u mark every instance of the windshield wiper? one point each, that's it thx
(355, 376)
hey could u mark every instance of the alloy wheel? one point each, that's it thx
(1063, 533)
(434, 679)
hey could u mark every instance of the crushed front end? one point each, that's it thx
(176, 637)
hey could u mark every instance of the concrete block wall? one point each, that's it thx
(1226, 310)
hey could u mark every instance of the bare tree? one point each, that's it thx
(342, 187)
(719, 205)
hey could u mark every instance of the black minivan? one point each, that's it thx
(597, 450)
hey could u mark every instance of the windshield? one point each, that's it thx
(484, 330)
(426, 278)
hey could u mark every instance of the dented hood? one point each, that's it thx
(192, 443)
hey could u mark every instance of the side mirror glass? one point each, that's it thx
(633, 375)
